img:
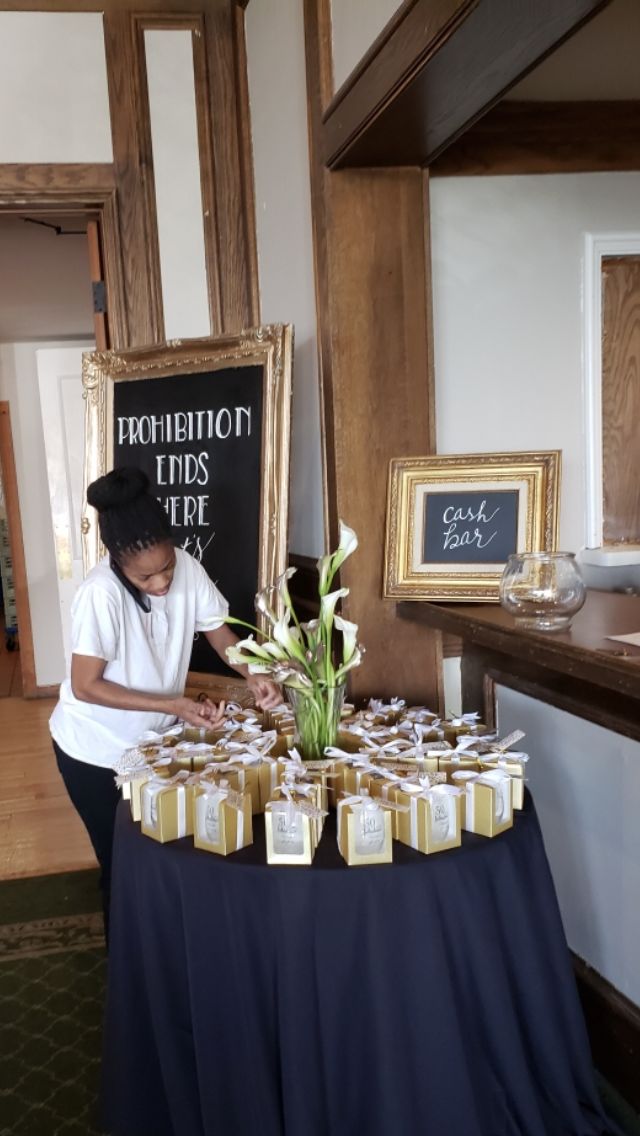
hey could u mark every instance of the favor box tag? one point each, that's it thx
(218, 826)
(364, 834)
(291, 835)
(167, 811)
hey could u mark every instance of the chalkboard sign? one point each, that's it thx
(208, 422)
(453, 521)
(470, 528)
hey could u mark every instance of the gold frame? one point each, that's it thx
(539, 475)
(270, 346)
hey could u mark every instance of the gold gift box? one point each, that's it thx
(364, 833)
(433, 822)
(488, 808)
(218, 826)
(131, 789)
(453, 730)
(242, 778)
(291, 836)
(391, 789)
(167, 811)
(514, 766)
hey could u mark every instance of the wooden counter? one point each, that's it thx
(579, 670)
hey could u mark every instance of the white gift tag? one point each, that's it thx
(288, 838)
(370, 833)
(208, 818)
(440, 817)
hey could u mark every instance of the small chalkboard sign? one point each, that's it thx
(208, 422)
(470, 527)
(454, 520)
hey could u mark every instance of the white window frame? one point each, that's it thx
(597, 246)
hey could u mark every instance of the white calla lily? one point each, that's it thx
(354, 661)
(264, 607)
(348, 544)
(328, 606)
(288, 638)
(349, 633)
(282, 586)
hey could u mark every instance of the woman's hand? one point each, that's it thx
(267, 694)
(200, 714)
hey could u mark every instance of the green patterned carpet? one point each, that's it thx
(52, 981)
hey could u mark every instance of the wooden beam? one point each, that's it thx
(372, 295)
(411, 114)
(59, 180)
(547, 138)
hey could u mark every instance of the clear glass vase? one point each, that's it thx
(317, 716)
(542, 590)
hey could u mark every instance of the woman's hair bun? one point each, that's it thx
(118, 488)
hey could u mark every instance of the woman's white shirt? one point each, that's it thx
(149, 652)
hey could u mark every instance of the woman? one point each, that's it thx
(133, 622)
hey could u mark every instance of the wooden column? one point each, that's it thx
(373, 300)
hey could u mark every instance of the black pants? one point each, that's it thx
(94, 794)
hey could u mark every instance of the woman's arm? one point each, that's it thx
(266, 692)
(89, 685)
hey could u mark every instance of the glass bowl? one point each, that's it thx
(542, 590)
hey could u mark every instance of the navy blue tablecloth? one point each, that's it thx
(431, 997)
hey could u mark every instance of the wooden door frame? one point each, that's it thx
(40, 190)
(30, 687)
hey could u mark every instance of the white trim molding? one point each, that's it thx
(596, 247)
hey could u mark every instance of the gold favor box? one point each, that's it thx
(364, 835)
(515, 768)
(291, 835)
(218, 826)
(167, 812)
(432, 824)
(488, 809)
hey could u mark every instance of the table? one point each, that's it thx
(431, 997)
(580, 670)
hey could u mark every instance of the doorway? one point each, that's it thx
(52, 295)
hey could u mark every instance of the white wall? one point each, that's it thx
(277, 87)
(507, 278)
(176, 168)
(586, 785)
(54, 104)
(355, 24)
(45, 284)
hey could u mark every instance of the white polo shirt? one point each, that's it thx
(149, 652)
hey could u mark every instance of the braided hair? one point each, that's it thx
(130, 518)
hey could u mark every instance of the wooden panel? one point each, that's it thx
(226, 67)
(613, 1025)
(381, 405)
(621, 398)
(374, 335)
(134, 176)
(545, 138)
(453, 80)
(12, 503)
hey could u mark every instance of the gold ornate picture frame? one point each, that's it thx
(452, 521)
(209, 421)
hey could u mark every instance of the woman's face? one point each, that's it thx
(151, 570)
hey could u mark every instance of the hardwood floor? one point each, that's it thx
(40, 831)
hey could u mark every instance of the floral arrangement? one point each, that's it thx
(303, 657)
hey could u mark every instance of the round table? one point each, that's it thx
(430, 997)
